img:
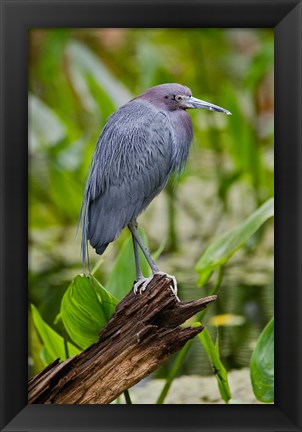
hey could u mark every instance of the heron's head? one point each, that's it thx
(176, 96)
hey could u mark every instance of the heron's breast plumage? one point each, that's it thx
(182, 135)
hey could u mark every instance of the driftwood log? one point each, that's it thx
(141, 334)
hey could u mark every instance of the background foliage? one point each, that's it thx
(77, 78)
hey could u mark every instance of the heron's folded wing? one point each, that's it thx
(131, 165)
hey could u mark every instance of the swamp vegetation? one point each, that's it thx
(212, 227)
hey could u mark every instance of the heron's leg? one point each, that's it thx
(140, 279)
(133, 228)
(142, 283)
(139, 274)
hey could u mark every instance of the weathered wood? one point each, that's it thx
(139, 337)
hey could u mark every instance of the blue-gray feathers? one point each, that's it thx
(139, 147)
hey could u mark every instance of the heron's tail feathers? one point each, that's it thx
(108, 215)
(101, 249)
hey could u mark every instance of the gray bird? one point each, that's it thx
(141, 145)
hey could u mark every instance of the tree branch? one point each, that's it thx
(141, 334)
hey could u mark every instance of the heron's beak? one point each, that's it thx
(193, 102)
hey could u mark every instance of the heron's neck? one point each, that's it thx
(182, 134)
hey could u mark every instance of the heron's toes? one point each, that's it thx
(174, 285)
(141, 285)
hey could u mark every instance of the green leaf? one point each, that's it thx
(85, 309)
(53, 343)
(222, 249)
(45, 357)
(262, 365)
(123, 274)
(220, 371)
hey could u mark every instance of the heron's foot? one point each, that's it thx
(142, 283)
(174, 282)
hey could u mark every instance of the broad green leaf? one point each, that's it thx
(222, 249)
(53, 342)
(85, 309)
(219, 369)
(262, 365)
(123, 273)
(45, 357)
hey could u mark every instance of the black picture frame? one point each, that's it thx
(16, 18)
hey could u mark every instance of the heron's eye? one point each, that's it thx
(178, 98)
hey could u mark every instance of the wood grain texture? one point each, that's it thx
(142, 333)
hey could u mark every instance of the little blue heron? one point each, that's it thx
(141, 145)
